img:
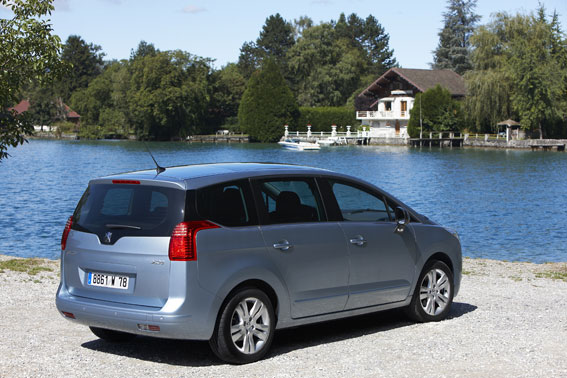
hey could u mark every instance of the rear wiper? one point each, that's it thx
(123, 226)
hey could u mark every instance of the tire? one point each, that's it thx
(433, 294)
(112, 336)
(249, 315)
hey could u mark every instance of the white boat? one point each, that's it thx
(296, 144)
(332, 141)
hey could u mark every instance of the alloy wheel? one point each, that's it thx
(435, 292)
(250, 325)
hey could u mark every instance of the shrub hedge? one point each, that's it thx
(321, 118)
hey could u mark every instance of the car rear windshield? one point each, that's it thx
(129, 210)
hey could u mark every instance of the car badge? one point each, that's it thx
(108, 237)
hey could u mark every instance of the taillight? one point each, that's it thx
(66, 232)
(182, 245)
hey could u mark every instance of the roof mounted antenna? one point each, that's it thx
(159, 169)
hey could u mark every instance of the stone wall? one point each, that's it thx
(526, 143)
(388, 141)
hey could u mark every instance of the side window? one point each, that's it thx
(358, 205)
(225, 204)
(291, 200)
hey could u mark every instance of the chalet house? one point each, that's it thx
(385, 105)
(66, 112)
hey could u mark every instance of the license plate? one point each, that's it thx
(114, 281)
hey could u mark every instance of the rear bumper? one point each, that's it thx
(180, 324)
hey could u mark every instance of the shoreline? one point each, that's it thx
(527, 144)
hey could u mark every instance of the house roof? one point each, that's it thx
(420, 79)
(23, 106)
(70, 112)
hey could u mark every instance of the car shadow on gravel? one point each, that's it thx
(161, 351)
(198, 353)
(338, 330)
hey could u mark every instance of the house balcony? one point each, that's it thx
(382, 115)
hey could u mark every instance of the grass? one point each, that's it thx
(556, 273)
(29, 266)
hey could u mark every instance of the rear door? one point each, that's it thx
(382, 261)
(117, 249)
(310, 252)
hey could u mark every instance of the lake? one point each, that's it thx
(505, 204)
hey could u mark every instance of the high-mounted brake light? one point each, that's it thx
(125, 181)
(182, 245)
(66, 232)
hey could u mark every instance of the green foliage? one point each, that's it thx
(321, 118)
(227, 87)
(168, 95)
(328, 61)
(144, 49)
(520, 72)
(43, 109)
(275, 39)
(267, 104)
(439, 112)
(323, 64)
(325, 70)
(156, 95)
(28, 53)
(454, 45)
(85, 61)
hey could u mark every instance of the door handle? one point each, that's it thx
(358, 240)
(282, 245)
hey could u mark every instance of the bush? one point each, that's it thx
(267, 105)
(439, 112)
(321, 118)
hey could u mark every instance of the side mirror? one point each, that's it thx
(402, 218)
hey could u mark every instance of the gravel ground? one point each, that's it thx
(509, 319)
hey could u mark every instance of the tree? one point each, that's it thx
(370, 36)
(275, 39)
(436, 110)
(86, 63)
(144, 49)
(520, 71)
(227, 87)
(92, 101)
(267, 104)
(300, 24)
(250, 59)
(535, 70)
(454, 46)
(325, 69)
(43, 108)
(28, 52)
(168, 95)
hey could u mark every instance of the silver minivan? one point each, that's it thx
(231, 252)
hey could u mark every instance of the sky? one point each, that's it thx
(217, 28)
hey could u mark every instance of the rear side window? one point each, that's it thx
(227, 204)
(291, 201)
(129, 210)
(359, 205)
